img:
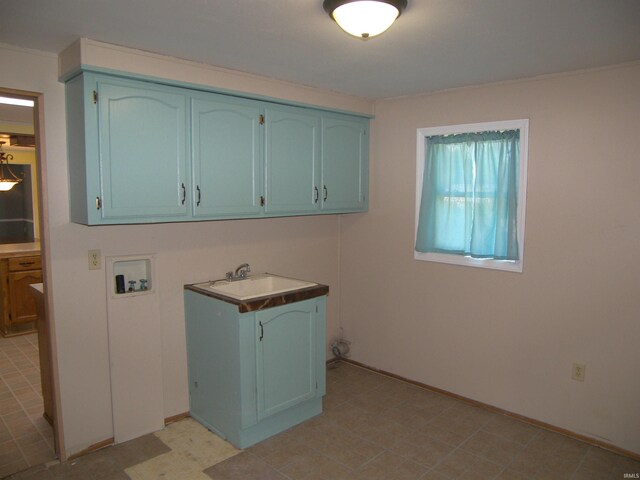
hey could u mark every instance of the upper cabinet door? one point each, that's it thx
(226, 148)
(345, 144)
(291, 160)
(142, 149)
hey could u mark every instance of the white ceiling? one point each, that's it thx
(16, 114)
(434, 45)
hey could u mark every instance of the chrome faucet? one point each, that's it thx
(241, 273)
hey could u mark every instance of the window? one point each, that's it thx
(471, 185)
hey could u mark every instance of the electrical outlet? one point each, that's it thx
(95, 260)
(577, 372)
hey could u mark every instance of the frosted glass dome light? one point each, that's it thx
(364, 18)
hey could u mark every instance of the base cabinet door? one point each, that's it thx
(18, 312)
(23, 305)
(227, 153)
(285, 357)
(344, 163)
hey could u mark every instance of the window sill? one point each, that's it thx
(504, 265)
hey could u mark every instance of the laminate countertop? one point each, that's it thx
(10, 250)
(273, 300)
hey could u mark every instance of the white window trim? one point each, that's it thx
(422, 134)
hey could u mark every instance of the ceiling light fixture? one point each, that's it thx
(364, 18)
(7, 183)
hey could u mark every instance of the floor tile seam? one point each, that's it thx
(355, 470)
(24, 410)
(459, 447)
(261, 459)
(519, 422)
(584, 456)
(554, 454)
(508, 465)
(21, 367)
(18, 371)
(15, 441)
(5, 381)
(6, 386)
(22, 346)
(496, 435)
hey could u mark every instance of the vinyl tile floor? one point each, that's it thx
(26, 439)
(373, 427)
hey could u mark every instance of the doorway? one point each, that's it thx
(29, 414)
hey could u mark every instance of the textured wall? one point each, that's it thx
(509, 339)
(303, 247)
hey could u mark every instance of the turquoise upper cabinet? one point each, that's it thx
(143, 151)
(135, 150)
(226, 149)
(345, 154)
(291, 160)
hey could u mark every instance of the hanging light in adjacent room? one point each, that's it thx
(364, 18)
(6, 183)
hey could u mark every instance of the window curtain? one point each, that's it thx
(469, 195)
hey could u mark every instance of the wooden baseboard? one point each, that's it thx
(531, 421)
(175, 418)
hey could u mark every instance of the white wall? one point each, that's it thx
(303, 247)
(509, 339)
(577, 299)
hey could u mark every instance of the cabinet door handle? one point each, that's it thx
(199, 196)
(261, 331)
(317, 195)
(184, 194)
(326, 193)
(262, 200)
(26, 264)
(98, 203)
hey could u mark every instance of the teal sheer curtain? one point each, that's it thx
(469, 195)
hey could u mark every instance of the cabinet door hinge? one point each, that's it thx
(261, 119)
(95, 96)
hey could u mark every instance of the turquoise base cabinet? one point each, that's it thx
(253, 375)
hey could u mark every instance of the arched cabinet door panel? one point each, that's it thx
(227, 156)
(143, 150)
(285, 357)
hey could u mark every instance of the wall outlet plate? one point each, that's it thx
(578, 371)
(95, 260)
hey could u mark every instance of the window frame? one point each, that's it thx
(422, 137)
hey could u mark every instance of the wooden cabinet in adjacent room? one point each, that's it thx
(18, 315)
